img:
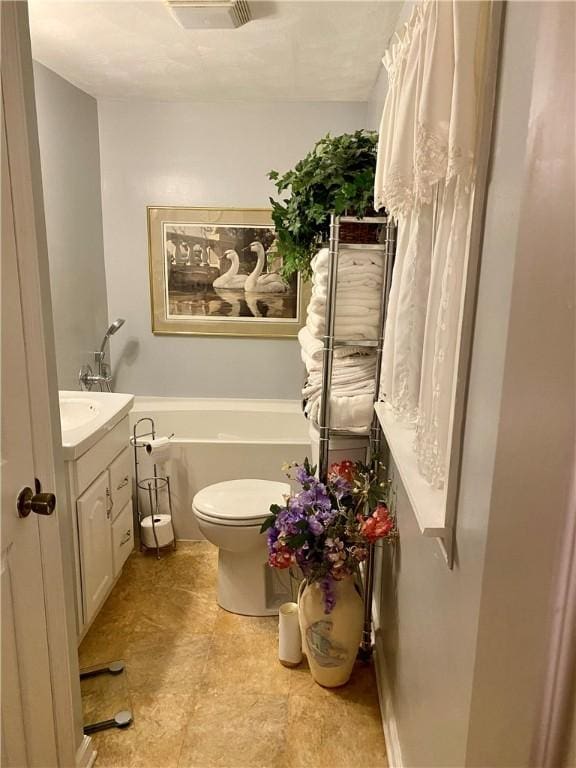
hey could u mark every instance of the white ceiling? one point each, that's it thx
(326, 50)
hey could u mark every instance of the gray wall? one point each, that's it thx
(459, 675)
(197, 154)
(69, 154)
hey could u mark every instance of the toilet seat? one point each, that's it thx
(240, 503)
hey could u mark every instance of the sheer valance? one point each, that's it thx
(425, 179)
(429, 122)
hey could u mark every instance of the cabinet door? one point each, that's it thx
(93, 509)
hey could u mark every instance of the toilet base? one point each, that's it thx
(248, 586)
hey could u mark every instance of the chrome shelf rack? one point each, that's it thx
(154, 485)
(374, 434)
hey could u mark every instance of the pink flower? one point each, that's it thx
(378, 525)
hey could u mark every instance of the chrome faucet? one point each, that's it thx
(103, 376)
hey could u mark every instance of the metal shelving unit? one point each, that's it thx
(388, 250)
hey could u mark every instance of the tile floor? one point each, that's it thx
(205, 686)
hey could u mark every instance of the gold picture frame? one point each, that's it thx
(213, 271)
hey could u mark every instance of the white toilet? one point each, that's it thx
(230, 515)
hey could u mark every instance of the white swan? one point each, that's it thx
(231, 279)
(258, 283)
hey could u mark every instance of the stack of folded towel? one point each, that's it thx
(358, 301)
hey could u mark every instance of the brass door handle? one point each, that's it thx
(40, 503)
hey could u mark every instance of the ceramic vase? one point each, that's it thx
(331, 640)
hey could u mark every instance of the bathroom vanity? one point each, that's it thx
(95, 439)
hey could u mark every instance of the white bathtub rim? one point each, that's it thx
(145, 404)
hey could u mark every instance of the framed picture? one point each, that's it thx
(216, 271)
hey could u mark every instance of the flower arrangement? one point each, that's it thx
(326, 528)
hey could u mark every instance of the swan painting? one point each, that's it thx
(231, 279)
(256, 282)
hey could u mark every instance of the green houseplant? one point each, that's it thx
(337, 176)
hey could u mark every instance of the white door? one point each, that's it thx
(95, 532)
(37, 678)
(26, 694)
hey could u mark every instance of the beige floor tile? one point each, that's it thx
(170, 616)
(329, 734)
(248, 733)
(160, 722)
(231, 623)
(116, 748)
(313, 731)
(245, 663)
(168, 669)
(107, 640)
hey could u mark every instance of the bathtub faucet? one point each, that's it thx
(103, 376)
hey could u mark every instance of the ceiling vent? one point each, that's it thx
(210, 14)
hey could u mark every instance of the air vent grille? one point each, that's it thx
(210, 14)
(241, 13)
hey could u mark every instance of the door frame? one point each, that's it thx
(26, 183)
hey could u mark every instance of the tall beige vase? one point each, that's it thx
(331, 640)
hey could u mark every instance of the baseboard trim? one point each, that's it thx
(389, 723)
(86, 754)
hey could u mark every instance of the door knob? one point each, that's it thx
(40, 503)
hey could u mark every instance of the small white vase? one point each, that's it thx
(331, 640)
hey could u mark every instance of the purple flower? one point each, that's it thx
(316, 496)
(304, 477)
(316, 526)
(340, 487)
(327, 587)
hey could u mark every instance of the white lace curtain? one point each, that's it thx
(425, 179)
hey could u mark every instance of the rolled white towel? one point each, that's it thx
(345, 328)
(350, 280)
(344, 309)
(313, 347)
(347, 256)
(345, 412)
(362, 297)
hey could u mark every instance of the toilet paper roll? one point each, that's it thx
(158, 448)
(163, 528)
(289, 639)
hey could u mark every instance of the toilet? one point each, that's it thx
(230, 515)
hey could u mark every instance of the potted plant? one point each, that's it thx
(337, 176)
(325, 529)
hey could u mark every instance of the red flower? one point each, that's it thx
(345, 470)
(378, 525)
(281, 558)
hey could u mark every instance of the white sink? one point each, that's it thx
(86, 416)
(76, 412)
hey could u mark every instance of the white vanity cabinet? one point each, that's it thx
(100, 488)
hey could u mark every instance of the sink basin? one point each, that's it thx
(76, 412)
(85, 417)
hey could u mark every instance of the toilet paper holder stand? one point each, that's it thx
(156, 485)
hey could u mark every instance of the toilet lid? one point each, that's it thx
(240, 501)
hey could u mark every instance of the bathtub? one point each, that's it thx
(217, 440)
